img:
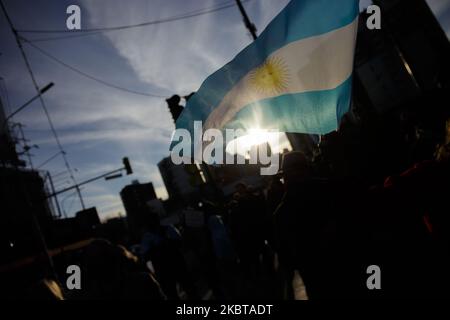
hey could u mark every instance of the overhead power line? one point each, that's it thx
(88, 32)
(192, 14)
(79, 35)
(49, 159)
(89, 76)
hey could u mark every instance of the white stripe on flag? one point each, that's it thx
(317, 63)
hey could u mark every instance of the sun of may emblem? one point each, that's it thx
(270, 77)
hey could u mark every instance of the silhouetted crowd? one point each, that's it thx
(301, 237)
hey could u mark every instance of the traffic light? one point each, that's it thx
(126, 164)
(174, 106)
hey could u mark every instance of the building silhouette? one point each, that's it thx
(403, 61)
(135, 198)
(25, 216)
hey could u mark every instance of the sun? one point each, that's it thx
(255, 137)
(270, 77)
(277, 141)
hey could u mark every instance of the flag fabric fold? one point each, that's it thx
(296, 77)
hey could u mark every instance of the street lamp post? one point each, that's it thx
(41, 92)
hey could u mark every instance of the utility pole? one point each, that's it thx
(248, 24)
(52, 186)
(25, 146)
(77, 187)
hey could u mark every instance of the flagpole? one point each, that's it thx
(248, 24)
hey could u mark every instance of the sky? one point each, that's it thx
(99, 125)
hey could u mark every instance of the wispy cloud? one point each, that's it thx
(177, 55)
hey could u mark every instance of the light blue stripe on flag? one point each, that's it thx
(317, 112)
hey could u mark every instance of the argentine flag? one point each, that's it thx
(296, 77)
